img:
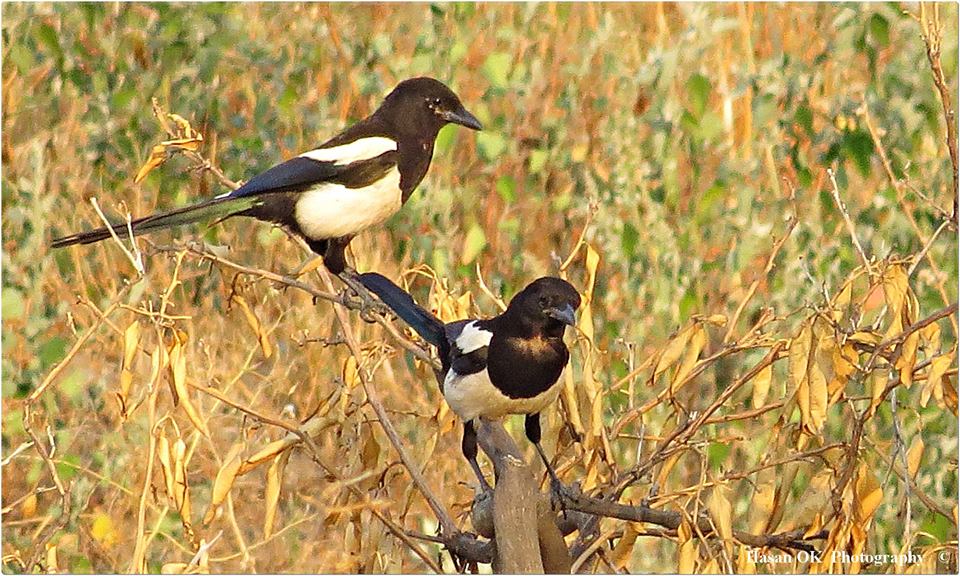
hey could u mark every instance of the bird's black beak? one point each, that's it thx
(565, 314)
(462, 117)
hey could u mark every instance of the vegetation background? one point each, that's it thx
(690, 145)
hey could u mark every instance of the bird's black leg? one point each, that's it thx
(368, 300)
(532, 427)
(335, 259)
(469, 447)
(335, 255)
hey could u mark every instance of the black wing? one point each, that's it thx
(301, 173)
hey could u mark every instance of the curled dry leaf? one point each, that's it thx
(764, 500)
(224, 481)
(181, 488)
(271, 494)
(178, 376)
(868, 496)
(810, 383)
(254, 322)
(593, 388)
(746, 564)
(673, 351)
(184, 138)
(761, 385)
(311, 428)
(687, 550)
(895, 293)
(721, 511)
(934, 384)
(915, 455)
(691, 354)
(624, 548)
(131, 340)
(166, 463)
(908, 359)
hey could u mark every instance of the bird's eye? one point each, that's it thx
(435, 102)
(544, 301)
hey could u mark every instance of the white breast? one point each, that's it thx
(332, 210)
(475, 395)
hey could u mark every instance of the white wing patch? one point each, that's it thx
(332, 210)
(362, 149)
(472, 337)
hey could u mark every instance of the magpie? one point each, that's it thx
(508, 364)
(327, 195)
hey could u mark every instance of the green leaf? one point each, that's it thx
(497, 68)
(803, 117)
(47, 36)
(629, 238)
(538, 159)
(64, 468)
(491, 145)
(507, 188)
(880, 29)
(52, 351)
(473, 244)
(457, 52)
(717, 453)
(445, 139)
(858, 146)
(11, 304)
(698, 89)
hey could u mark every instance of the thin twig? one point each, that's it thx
(846, 218)
(373, 398)
(135, 257)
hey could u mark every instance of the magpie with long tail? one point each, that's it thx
(327, 195)
(508, 364)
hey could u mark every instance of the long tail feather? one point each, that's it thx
(216, 208)
(428, 326)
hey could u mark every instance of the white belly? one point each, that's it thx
(333, 210)
(474, 395)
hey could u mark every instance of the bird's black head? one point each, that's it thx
(546, 306)
(422, 106)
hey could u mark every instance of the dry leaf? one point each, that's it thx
(811, 384)
(687, 551)
(868, 496)
(761, 385)
(934, 384)
(271, 494)
(254, 322)
(908, 359)
(131, 340)
(721, 511)
(624, 549)
(690, 356)
(673, 351)
(763, 502)
(166, 463)
(895, 294)
(915, 455)
(226, 475)
(178, 375)
(181, 489)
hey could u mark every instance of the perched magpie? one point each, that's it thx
(353, 181)
(508, 364)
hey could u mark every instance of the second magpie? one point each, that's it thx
(508, 364)
(327, 195)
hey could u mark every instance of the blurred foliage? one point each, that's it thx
(685, 135)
